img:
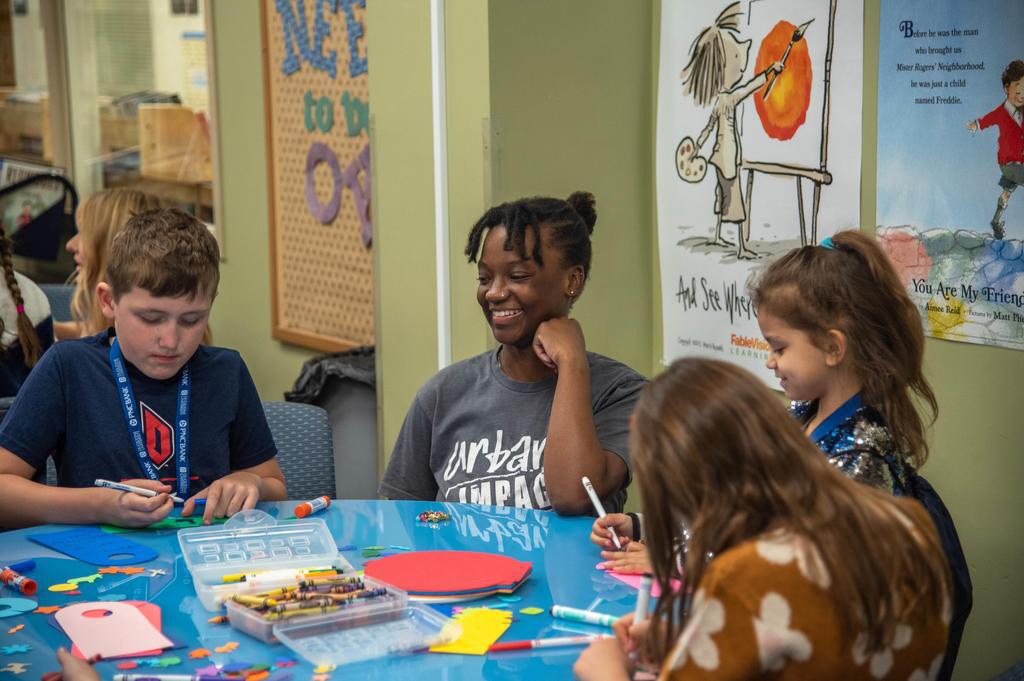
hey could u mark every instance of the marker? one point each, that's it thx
(546, 643)
(135, 490)
(587, 616)
(10, 577)
(149, 676)
(599, 508)
(312, 506)
(643, 597)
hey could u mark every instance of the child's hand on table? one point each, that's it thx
(234, 492)
(603, 659)
(620, 522)
(633, 559)
(127, 509)
(73, 669)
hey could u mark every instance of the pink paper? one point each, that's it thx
(634, 580)
(125, 631)
(151, 611)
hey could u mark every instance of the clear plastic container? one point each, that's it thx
(248, 620)
(253, 541)
(347, 636)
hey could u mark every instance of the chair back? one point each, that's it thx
(59, 296)
(36, 211)
(305, 449)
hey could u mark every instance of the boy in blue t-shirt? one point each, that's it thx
(143, 402)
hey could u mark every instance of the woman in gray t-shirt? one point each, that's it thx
(520, 426)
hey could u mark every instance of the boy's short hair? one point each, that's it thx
(1013, 72)
(167, 252)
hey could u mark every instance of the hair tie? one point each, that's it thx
(20, 309)
(827, 243)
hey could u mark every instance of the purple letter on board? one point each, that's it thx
(361, 193)
(324, 213)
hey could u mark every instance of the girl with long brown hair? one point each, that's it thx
(26, 327)
(795, 570)
(848, 346)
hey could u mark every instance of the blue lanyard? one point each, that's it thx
(134, 418)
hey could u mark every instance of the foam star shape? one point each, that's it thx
(15, 630)
(157, 572)
(19, 648)
(16, 667)
(199, 653)
(47, 609)
(110, 570)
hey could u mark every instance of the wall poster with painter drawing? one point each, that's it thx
(758, 151)
(951, 163)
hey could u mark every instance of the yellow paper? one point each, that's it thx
(481, 627)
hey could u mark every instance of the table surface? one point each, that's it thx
(559, 548)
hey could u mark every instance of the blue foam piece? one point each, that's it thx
(96, 547)
(9, 607)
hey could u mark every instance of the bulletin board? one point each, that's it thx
(316, 96)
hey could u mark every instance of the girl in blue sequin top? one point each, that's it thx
(847, 346)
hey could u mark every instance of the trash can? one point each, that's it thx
(344, 384)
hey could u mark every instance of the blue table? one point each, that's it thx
(559, 548)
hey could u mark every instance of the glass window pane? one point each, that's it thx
(24, 102)
(139, 99)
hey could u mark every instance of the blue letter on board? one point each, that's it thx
(356, 64)
(294, 28)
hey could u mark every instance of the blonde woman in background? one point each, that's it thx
(100, 217)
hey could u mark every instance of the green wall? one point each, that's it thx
(548, 97)
(241, 313)
(570, 85)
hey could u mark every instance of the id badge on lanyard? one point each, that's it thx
(134, 419)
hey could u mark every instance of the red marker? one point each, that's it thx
(16, 581)
(546, 643)
(307, 507)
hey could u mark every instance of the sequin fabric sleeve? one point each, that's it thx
(862, 447)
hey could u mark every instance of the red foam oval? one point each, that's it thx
(448, 572)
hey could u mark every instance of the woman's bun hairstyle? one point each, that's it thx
(583, 204)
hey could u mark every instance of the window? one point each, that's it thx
(110, 93)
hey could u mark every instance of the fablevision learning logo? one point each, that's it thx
(748, 346)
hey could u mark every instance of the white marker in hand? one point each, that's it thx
(643, 597)
(142, 491)
(599, 508)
